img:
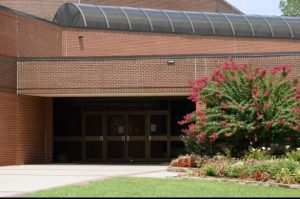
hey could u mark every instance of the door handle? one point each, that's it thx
(128, 139)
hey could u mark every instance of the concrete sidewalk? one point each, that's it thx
(15, 180)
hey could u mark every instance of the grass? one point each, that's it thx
(146, 187)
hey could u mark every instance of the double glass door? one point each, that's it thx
(126, 136)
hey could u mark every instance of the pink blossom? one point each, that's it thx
(298, 94)
(255, 91)
(218, 76)
(263, 72)
(296, 109)
(230, 66)
(202, 135)
(268, 125)
(201, 114)
(267, 93)
(188, 117)
(276, 69)
(224, 105)
(213, 137)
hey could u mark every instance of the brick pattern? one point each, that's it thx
(8, 135)
(118, 43)
(117, 77)
(41, 8)
(25, 129)
(22, 36)
(8, 74)
(8, 44)
(47, 8)
(37, 38)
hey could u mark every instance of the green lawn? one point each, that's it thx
(143, 187)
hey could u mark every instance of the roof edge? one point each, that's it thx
(24, 14)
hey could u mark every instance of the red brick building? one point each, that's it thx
(109, 83)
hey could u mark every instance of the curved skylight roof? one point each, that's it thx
(180, 22)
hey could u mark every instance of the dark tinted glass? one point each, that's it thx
(168, 21)
(93, 125)
(295, 25)
(159, 20)
(260, 26)
(280, 28)
(138, 19)
(93, 16)
(180, 22)
(221, 24)
(116, 18)
(200, 23)
(240, 25)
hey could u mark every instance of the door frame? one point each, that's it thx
(126, 138)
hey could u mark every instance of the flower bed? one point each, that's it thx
(285, 170)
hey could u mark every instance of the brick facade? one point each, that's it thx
(127, 77)
(119, 43)
(25, 129)
(40, 59)
(47, 8)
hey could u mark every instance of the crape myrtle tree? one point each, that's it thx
(241, 105)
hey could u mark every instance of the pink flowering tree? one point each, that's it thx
(241, 104)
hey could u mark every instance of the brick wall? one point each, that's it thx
(32, 131)
(8, 74)
(119, 43)
(8, 44)
(8, 135)
(23, 36)
(40, 8)
(26, 133)
(123, 77)
(37, 38)
(47, 8)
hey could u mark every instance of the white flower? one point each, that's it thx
(251, 143)
(269, 149)
(287, 146)
(263, 148)
(298, 149)
(253, 149)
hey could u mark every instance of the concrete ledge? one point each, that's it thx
(187, 173)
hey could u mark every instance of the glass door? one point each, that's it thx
(116, 132)
(159, 136)
(136, 137)
(126, 136)
(93, 136)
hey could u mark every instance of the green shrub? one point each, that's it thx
(297, 175)
(294, 155)
(273, 167)
(210, 169)
(285, 176)
(257, 154)
(236, 170)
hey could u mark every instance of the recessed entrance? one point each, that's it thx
(114, 130)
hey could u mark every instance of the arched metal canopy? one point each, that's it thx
(180, 22)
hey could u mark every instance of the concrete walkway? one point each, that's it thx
(16, 180)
